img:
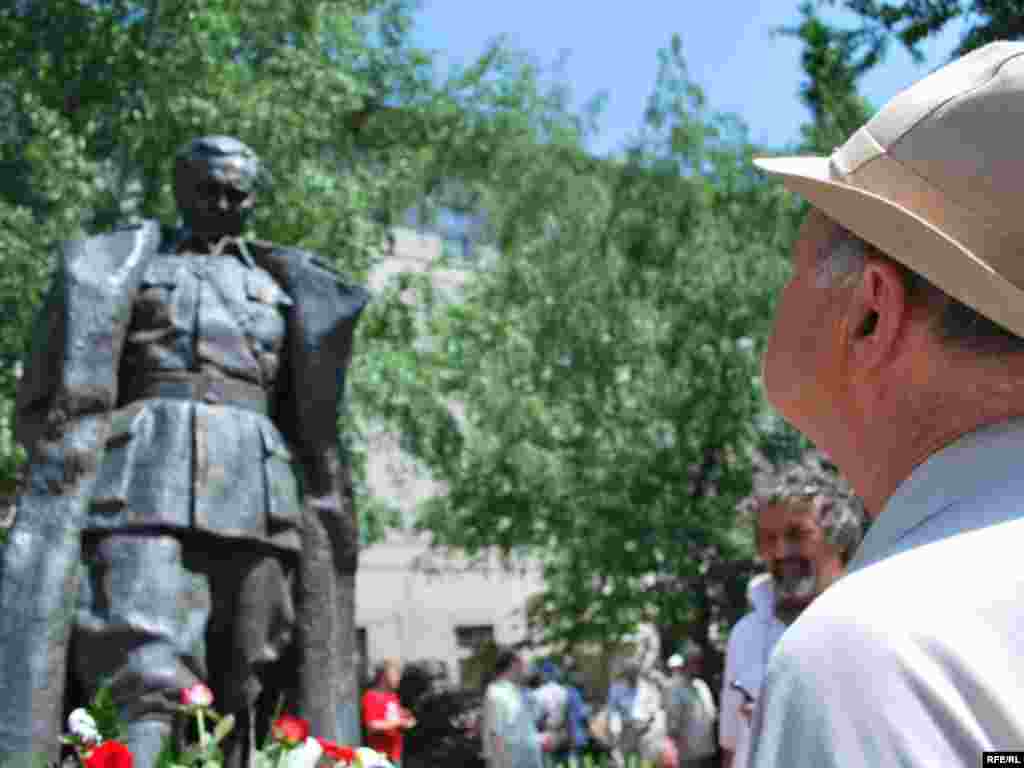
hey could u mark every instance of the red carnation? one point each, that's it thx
(109, 754)
(290, 729)
(197, 695)
(337, 752)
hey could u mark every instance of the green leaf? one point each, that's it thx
(224, 727)
(105, 713)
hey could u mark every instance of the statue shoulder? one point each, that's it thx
(281, 260)
(295, 257)
(125, 240)
(110, 259)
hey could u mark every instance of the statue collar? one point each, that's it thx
(235, 246)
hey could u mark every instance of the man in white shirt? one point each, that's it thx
(807, 526)
(509, 735)
(750, 644)
(898, 349)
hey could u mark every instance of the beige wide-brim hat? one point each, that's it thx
(936, 181)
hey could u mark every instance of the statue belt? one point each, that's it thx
(201, 387)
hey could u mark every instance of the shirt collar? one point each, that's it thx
(963, 469)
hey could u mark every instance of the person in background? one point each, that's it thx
(531, 682)
(750, 642)
(509, 732)
(695, 728)
(678, 700)
(621, 695)
(577, 718)
(808, 525)
(384, 718)
(637, 718)
(551, 700)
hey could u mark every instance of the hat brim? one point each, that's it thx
(903, 235)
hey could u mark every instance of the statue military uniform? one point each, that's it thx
(215, 536)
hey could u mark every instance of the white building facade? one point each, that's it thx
(414, 604)
(411, 602)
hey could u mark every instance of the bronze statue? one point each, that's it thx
(188, 511)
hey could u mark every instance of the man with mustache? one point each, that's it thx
(808, 526)
(898, 347)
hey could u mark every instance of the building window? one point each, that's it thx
(473, 637)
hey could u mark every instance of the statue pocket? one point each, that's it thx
(283, 503)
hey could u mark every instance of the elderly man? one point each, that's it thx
(897, 348)
(808, 525)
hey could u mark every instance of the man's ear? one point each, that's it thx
(877, 315)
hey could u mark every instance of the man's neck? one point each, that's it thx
(878, 481)
(957, 395)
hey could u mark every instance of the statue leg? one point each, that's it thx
(140, 628)
(250, 633)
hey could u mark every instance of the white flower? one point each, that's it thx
(82, 725)
(367, 758)
(305, 755)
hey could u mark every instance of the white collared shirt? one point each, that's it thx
(916, 657)
(750, 644)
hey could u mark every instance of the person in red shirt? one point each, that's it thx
(383, 715)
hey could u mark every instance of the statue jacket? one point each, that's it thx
(181, 392)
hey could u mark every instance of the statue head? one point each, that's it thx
(215, 183)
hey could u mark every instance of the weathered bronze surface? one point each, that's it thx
(188, 512)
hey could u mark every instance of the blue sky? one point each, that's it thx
(612, 46)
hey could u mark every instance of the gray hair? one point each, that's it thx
(815, 480)
(842, 261)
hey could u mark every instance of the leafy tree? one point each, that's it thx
(984, 21)
(605, 367)
(911, 23)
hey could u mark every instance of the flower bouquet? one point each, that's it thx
(94, 733)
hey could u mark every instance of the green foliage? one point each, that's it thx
(104, 712)
(605, 366)
(911, 23)
(833, 61)
(984, 21)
